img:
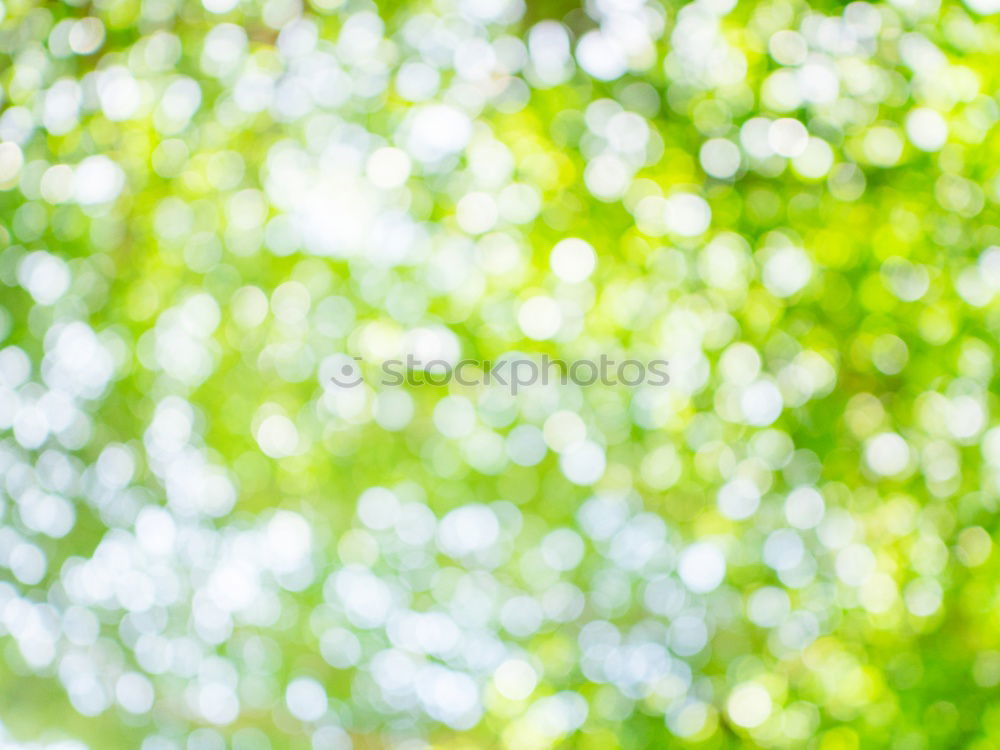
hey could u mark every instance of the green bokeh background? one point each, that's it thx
(203, 289)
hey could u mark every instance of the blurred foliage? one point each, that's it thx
(208, 208)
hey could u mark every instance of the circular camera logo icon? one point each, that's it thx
(347, 373)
